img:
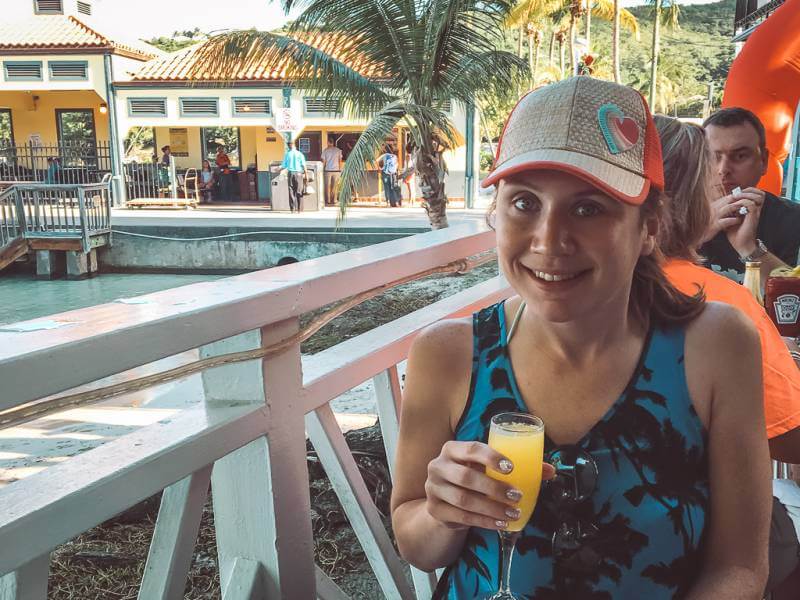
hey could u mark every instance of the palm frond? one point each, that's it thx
(367, 148)
(497, 71)
(529, 11)
(301, 64)
(604, 9)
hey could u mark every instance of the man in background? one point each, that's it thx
(295, 164)
(388, 165)
(332, 170)
(747, 223)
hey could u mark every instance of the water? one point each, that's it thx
(23, 297)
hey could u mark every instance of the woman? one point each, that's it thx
(655, 395)
(690, 181)
(207, 181)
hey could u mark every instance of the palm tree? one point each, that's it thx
(394, 63)
(609, 10)
(531, 16)
(667, 11)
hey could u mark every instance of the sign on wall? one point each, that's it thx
(286, 119)
(304, 145)
(179, 141)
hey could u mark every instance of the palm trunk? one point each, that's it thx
(561, 56)
(432, 172)
(588, 26)
(654, 51)
(615, 43)
(552, 48)
(531, 59)
(572, 62)
(536, 59)
(520, 36)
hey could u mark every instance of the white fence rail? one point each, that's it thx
(249, 436)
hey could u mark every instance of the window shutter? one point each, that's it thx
(85, 8)
(199, 107)
(322, 106)
(23, 71)
(252, 106)
(69, 69)
(49, 7)
(147, 107)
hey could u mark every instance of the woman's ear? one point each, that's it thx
(650, 232)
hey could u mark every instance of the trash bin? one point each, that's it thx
(314, 196)
(280, 187)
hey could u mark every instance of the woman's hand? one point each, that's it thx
(459, 494)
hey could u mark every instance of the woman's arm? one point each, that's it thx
(724, 353)
(440, 485)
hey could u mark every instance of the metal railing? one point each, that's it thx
(66, 163)
(749, 14)
(64, 211)
(253, 451)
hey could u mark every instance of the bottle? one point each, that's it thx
(752, 280)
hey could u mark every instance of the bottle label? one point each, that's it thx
(787, 309)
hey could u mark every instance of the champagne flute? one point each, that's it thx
(520, 438)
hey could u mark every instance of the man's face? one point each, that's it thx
(735, 150)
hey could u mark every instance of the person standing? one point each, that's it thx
(388, 165)
(332, 170)
(295, 164)
(747, 223)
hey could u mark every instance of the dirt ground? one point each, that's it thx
(106, 563)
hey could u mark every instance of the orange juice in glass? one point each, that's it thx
(520, 438)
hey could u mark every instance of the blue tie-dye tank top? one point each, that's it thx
(649, 505)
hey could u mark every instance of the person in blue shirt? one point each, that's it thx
(388, 165)
(295, 163)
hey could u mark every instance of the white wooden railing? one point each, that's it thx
(248, 436)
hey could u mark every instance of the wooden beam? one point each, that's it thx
(49, 243)
(11, 252)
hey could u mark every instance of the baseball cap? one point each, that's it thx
(597, 130)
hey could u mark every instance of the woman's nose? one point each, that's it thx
(551, 235)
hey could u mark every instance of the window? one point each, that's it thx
(147, 107)
(48, 7)
(227, 137)
(252, 107)
(199, 107)
(28, 70)
(322, 106)
(68, 70)
(75, 126)
(85, 8)
(6, 128)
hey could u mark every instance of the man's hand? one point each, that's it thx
(742, 234)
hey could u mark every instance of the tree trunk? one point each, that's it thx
(654, 51)
(520, 36)
(561, 56)
(615, 43)
(431, 172)
(552, 49)
(588, 26)
(572, 62)
(536, 59)
(531, 59)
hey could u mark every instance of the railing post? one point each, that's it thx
(85, 243)
(22, 221)
(260, 492)
(173, 178)
(29, 582)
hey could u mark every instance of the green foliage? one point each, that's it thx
(173, 44)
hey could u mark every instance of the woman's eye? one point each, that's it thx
(522, 203)
(587, 210)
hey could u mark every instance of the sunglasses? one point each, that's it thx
(574, 483)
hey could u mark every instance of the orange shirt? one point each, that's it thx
(781, 375)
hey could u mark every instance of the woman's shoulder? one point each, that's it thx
(444, 340)
(721, 323)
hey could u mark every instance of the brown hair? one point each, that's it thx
(736, 115)
(687, 179)
(653, 297)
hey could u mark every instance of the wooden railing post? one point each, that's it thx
(29, 582)
(260, 492)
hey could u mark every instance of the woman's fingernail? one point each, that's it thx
(513, 513)
(501, 524)
(505, 465)
(513, 495)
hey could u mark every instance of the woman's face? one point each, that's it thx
(206, 165)
(567, 248)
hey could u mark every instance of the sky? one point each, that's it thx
(152, 18)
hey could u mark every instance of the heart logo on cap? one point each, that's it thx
(620, 132)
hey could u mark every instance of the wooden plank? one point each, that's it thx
(341, 468)
(50, 507)
(387, 396)
(28, 582)
(174, 538)
(110, 338)
(12, 251)
(327, 588)
(244, 581)
(55, 243)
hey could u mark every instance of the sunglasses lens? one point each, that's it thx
(576, 474)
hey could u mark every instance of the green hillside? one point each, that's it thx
(698, 53)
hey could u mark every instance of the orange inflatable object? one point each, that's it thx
(765, 78)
